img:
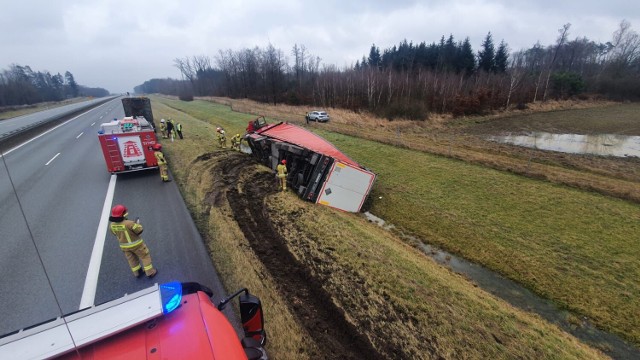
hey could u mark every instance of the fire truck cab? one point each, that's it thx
(127, 144)
(176, 320)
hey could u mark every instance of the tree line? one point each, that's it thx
(20, 85)
(411, 80)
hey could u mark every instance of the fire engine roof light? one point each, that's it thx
(171, 295)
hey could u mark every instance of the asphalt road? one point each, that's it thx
(60, 181)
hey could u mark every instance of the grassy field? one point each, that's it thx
(569, 245)
(572, 246)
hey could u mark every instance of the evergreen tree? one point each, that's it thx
(448, 50)
(465, 61)
(72, 85)
(363, 63)
(374, 57)
(502, 57)
(486, 56)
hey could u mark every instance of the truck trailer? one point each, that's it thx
(137, 106)
(317, 170)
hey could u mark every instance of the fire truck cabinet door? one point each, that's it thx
(131, 150)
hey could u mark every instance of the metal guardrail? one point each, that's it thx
(15, 132)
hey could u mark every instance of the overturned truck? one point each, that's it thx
(317, 170)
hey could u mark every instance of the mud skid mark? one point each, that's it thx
(246, 189)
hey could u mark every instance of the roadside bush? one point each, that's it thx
(413, 111)
(566, 84)
(186, 96)
(473, 104)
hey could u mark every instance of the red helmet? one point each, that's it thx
(283, 161)
(119, 211)
(157, 147)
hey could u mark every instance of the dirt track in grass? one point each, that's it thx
(335, 336)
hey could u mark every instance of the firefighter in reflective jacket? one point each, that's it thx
(235, 142)
(162, 163)
(281, 171)
(163, 128)
(128, 234)
(222, 137)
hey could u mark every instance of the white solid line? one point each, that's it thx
(53, 158)
(91, 281)
(80, 135)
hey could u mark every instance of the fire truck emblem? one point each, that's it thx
(131, 149)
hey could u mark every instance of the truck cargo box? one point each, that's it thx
(138, 106)
(317, 170)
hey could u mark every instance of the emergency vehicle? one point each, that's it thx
(127, 144)
(169, 321)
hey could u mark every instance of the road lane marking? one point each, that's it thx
(91, 281)
(53, 158)
(80, 135)
(93, 124)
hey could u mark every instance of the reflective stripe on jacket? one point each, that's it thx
(128, 233)
(159, 157)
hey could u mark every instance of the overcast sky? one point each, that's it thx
(118, 44)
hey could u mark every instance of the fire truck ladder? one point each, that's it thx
(114, 154)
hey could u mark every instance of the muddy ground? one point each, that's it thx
(336, 338)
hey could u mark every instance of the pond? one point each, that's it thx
(603, 144)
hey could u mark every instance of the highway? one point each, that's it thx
(55, 194)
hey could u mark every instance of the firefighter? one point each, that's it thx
(235, 142)
(170, 128)
(128, 234)
(179, 130)
(162, 162)
(163, 128)
(222, 137)
(281, 171)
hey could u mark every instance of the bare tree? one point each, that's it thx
(562, 38)
(625, 47)
(515, 72)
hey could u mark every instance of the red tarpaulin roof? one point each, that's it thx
(298, 136)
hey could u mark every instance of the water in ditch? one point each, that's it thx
(520, 297)
(602, 144)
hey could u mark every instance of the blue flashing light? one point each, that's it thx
(171, 296)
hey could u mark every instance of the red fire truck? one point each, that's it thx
(127, 144)
(169, 321)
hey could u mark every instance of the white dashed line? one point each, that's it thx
(80, 135)
(53, 158)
